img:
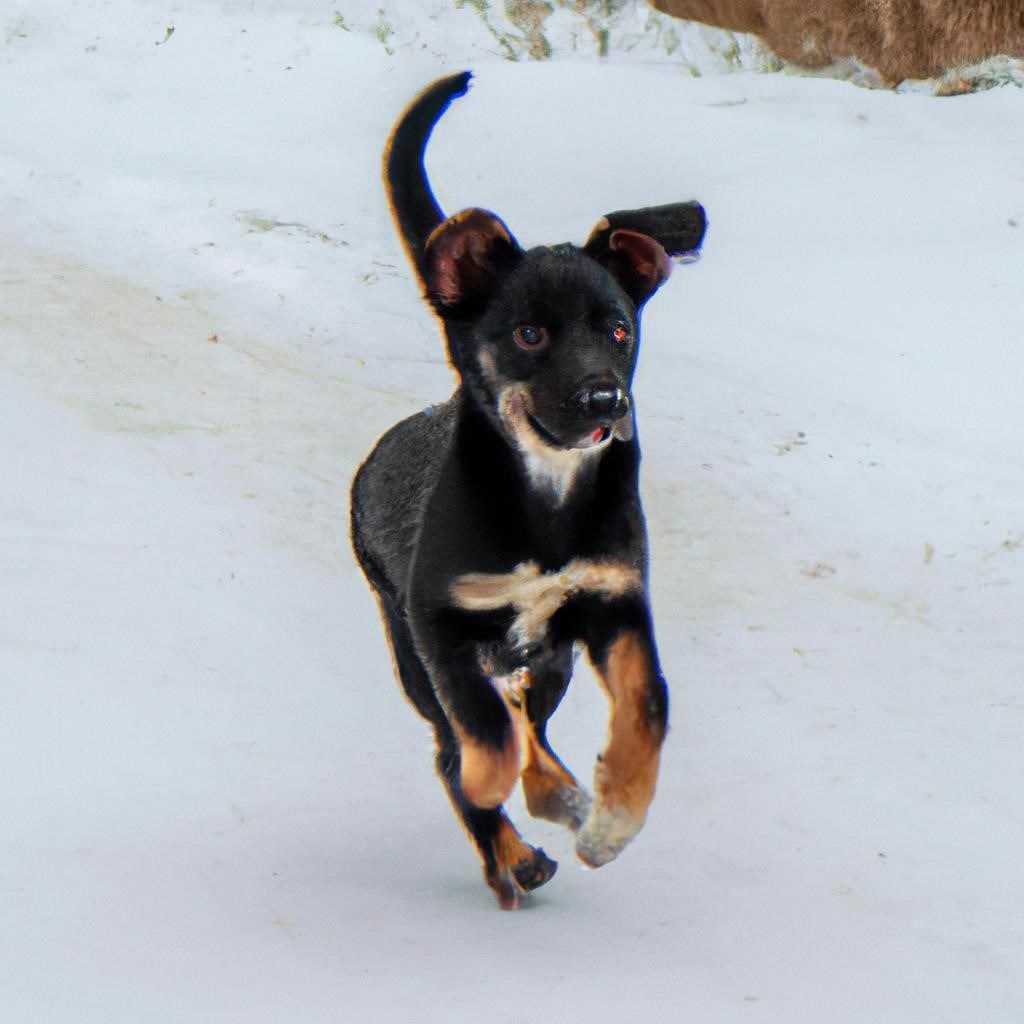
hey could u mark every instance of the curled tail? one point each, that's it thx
(412, 201)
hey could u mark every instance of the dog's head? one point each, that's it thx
(545, 339)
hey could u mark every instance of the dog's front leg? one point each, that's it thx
(551, 790)
(480, 757)
(624, 657)
(490, 746)
(480, 748)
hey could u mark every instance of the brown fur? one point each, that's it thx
(551, 790)
(899, 38)
(627, 769)
(488, 775)
(517, 860)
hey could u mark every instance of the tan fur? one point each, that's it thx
(549, 468)
(459, 253)
(536, 596)
(627, 771)
(488, 775)
(510, 852)
(550, 789)
(509, 848)
(899, 38)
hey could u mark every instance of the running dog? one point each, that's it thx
(502, 530)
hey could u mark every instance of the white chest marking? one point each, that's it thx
(550, 470)
(535, 596)
(553, 471)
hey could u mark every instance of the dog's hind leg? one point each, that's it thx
(407, 664)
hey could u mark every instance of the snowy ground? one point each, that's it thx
(216, 806)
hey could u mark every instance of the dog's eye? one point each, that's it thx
(531, 338)
(620, 332)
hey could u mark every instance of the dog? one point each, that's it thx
(502, 529)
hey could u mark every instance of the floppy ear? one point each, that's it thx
(464, 256)
(634, 245)
(677, 227)
(637, 262)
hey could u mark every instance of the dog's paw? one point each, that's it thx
(564, 805)
(534, 872)
(606, 834)
(513, 882)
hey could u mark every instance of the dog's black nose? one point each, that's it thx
(604, 402)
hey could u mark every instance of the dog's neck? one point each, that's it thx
(553, 478)
(551, 475)
(555, 475)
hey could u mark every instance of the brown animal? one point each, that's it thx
(899, 38)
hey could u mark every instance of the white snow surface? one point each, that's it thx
(215, 804)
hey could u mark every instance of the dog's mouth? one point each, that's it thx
(591, 440)
(542, 432)
(622, 430)
(527, 427)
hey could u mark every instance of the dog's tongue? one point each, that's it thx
(621, 430)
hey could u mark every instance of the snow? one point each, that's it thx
(217, 806)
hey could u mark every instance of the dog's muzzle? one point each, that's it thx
(606, 402)
(597, 418)
(607, 406)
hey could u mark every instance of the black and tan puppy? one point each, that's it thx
(503, 528)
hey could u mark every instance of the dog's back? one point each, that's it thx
(390, 492)
(392, 486)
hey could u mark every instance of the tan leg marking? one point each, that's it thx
(627, 771)
(551, 791)
(509, 848)
(518, 868)
(488, 774)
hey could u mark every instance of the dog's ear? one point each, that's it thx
(463, 257)
(677, 230)
(636, 261)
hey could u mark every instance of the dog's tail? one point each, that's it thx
(412, 201)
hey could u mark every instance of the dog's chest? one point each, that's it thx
(553, 475)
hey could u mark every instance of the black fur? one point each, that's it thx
(500, 476)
